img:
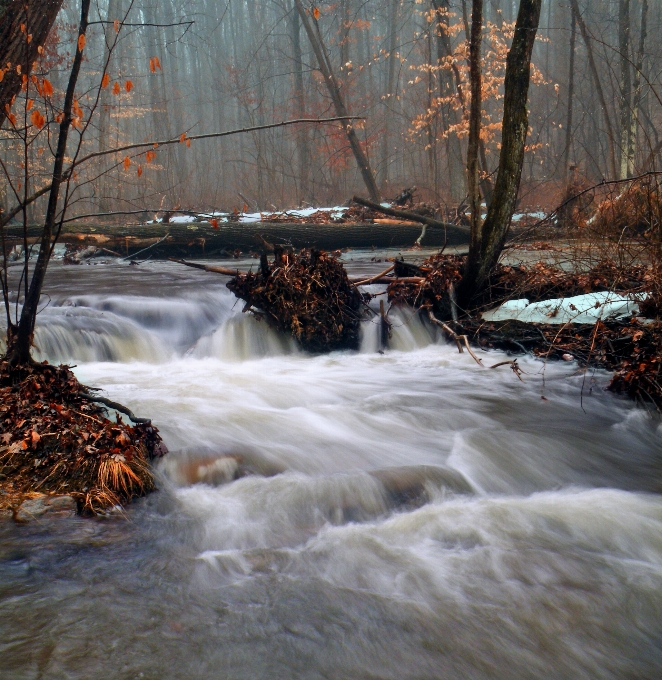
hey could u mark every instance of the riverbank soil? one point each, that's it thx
(56, 441)
(631, 347)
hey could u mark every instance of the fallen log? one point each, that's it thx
(203, 239)
(410, 216)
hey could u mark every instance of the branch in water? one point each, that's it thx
(117, 407)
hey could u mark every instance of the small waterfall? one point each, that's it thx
(408, 332)
(241, 338)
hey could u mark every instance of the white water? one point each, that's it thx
(402, 515)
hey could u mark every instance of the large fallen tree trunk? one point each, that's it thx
(201, 238)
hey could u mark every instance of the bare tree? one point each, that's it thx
(486, 246)
(324, 63)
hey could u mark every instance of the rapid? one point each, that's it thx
(405, 514)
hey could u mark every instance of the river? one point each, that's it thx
(405, 514)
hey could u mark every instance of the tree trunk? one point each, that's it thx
(625, 84)
(475, 112)
(388, 95)
(338, 102)
(454, 148)
(484, 253)
(115, 12)
(22, 341)
(303, 151)
(636, 96)
(485, 183)
(598, 87)
(571, 93)
(38, 17)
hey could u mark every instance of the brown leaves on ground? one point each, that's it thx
(55, 441)
(308, 296)
(631, 348)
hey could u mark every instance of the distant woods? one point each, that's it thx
(594, 101)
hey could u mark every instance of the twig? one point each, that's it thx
(513, 364)
(128, 257)
(217, 270)
(362, 282)
(405, 214)
(117, 407)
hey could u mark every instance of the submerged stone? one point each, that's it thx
(53, 506)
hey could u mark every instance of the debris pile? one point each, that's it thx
(307, 295)
(634, 211)
(631, 347)
(56, 440)
(543, 281)
(352, 215)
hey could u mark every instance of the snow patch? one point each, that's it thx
(587, 308)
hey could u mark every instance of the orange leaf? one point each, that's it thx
(157, 63)
(34, 435)
(81, 42)
(24, 445)
(77, 110)
(214, 223)
(29, 38)
(40, 49)
(116, 88)
(188, 143)
(37, 119)
(152, 65)
(2, 75)
(59, 118)
(75, 121)
(140, 170)
(150, 156)
(182, 138)
(116, 25)
(12, 119)
(29, 105)
(127, 162)
(48, 88)
(316, 13)
(128, 86)
(105, 80)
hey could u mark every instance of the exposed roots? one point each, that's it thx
(54, 439)
(307, 296)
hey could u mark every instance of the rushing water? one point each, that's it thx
(356, 515)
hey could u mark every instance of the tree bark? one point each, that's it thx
(636, 87)
(441, 6)
(338, 102)
(571, 93)
(625, 84)
(598, 87)
(115, 12)
(38, 17)
(484, 254)
(22, 342)
(388, 96)
(303, 151)
(475, 112)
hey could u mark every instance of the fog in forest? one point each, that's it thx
(195, 66)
